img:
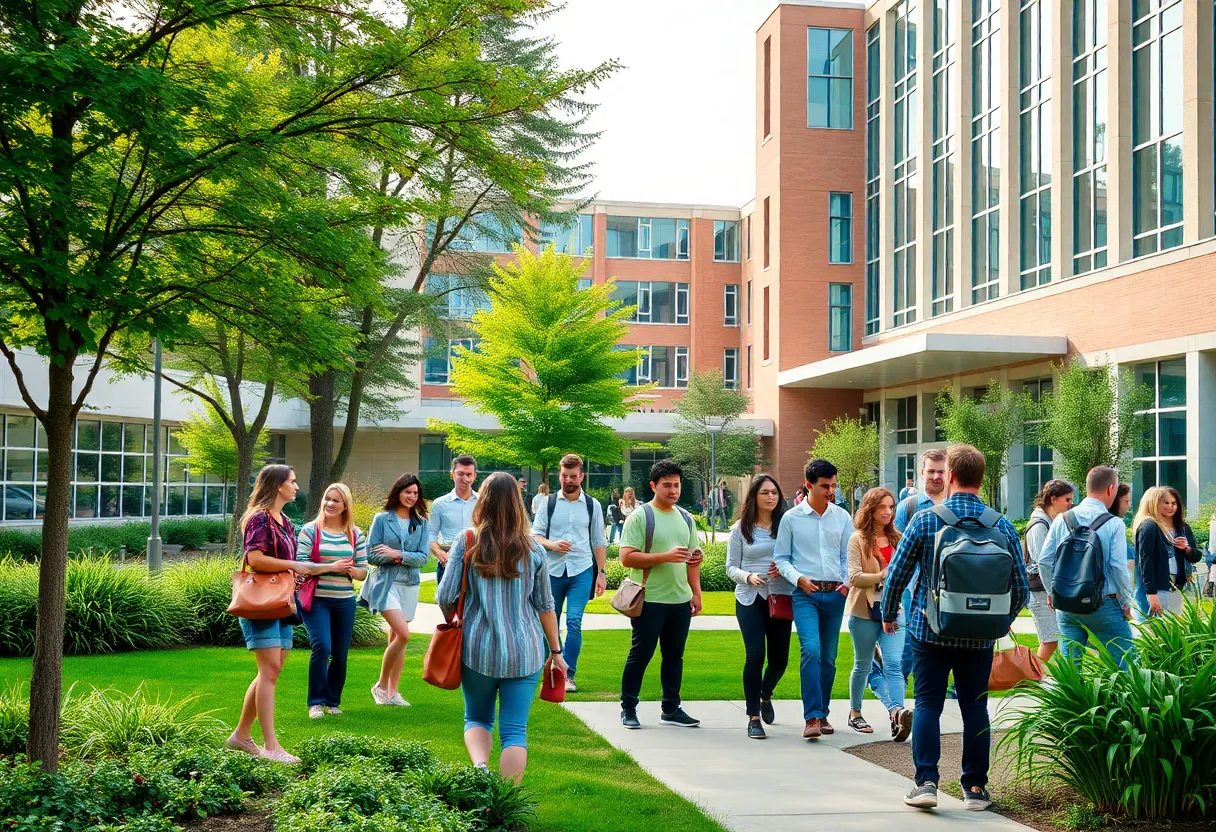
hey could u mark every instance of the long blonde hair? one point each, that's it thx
(1150, 509)
(265, 490)
(629, 497)
(348, 503)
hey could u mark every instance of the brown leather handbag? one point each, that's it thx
(441, 665)
(261, 596)
(1012, 666)
(631, 595)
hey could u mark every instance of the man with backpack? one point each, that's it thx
(570, 526)
(972, 585)
(1083, 564)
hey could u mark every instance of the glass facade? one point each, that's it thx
(437, 355)
(484, 233)
(985, 150)
(840, 228)
(1157, 84)
(840, 317)
(1089, 114)
(907, 140)
(1161, 452)
(655, 302)
(905, 422)
(566, 238)
(873, 172)
(945, 81)
(726, 241)
(1037, 467)
(1034, 61)
(829, 83)
(453, 299)
(647, 239)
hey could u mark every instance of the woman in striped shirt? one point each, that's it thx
(331, 539)
(508, 623)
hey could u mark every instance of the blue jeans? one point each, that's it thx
(889, 683)
(817, 617)
(576, 589)
(613, 531)
(513, 697)
(330, 623)
(1106, 623)
(932, 665)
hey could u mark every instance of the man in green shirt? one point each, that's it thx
(670, 568)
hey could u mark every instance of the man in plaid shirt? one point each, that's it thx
(934, 657)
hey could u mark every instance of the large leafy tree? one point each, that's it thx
(547, 366)
(1092, 417)
(992, 424)
(853, 447)
(125, 127)
(706, 403)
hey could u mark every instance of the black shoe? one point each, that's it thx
(629, 718)
(755, 730)
(679, 719)
(766, 711)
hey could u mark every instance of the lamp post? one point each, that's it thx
(154, 542)
(714, 425)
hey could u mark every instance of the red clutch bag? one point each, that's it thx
(553, 683)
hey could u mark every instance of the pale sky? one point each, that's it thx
(678, 119)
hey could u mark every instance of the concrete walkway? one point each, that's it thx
(785, 783)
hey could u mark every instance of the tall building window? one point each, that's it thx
(730, 304)
(1157, 50)
(726, 241)
(840, 230)
(765, 312)
(873, 171)
(454, 298)
(657, 303)
(1035, 140)
(667, 367)
(437, 355)
(574, 236)
(749, 366)
(945, 77)
(1089, 135)
(749, 303)
(829, 83)
(484, 233)
(730, 368)
(905, 469)
(907, 138)
(872, 412)
(1161, 453)
(905, 421)
(647, 238)
(766, 233)
(768, 86)
(1037, 467)
(840, 317)
(985, 151)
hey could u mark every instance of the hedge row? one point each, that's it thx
(192, 533)
(713, 569)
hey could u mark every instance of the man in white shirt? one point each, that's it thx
(452, 513)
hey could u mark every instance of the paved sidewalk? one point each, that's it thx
(784, 783)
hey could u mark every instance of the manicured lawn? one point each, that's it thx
(715, 603)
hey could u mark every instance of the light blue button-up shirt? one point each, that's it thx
(450, 515)
(570, 523)
(1113, 536)
(813, 545)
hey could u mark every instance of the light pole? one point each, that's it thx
(714, 425)
(154, 547)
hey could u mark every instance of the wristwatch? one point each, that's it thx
(603, 571)
(553, 652)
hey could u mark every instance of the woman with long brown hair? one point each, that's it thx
(270, 546)
(509, 624)
(870, 550)
(1053, 499)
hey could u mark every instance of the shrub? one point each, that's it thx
(395, 755)
(19, 602)
(713, 569)
(492, 803)
(1140, 743)
(616, 573)
(14, 719)
(86, 539)
(193, 532)
(20, 544)
(113, 608)
(105, 722)
(205, 585)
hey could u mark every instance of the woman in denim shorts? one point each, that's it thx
(270, 546)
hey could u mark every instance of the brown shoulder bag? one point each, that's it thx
(441, 666)
(262, 596)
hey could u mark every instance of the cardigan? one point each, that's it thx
(387, 529)
(865, 579)
(1160, 565)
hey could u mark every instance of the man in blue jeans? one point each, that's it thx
(811, 552)
(1108, 622)
(570, 526)
(934, 657)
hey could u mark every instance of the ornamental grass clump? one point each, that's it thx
(113, 608)
(205, 584)
(106, 722)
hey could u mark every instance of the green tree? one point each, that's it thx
(1091, 417)
(124, 130)
(992, 424)
(547, 366)
(853, 447)
(736, 449)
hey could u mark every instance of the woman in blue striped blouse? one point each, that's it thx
(510, 628)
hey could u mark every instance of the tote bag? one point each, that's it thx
(262, 596)
(1012, 666)
(441, 666)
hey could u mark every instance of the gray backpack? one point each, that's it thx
(970, 582)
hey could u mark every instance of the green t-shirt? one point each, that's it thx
(668, 582)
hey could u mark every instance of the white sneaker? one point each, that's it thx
(379, 695)
(316, 712)
(332, 711)
(397, 700)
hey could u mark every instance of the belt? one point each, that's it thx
(826, 586)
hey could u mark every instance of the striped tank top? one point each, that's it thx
(335, 546)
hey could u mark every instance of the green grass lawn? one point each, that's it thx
(715, 603)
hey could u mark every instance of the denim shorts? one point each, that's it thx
(267, 633)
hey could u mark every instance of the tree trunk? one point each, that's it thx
(244, 470)
(47, 679)
(353, 402)
(321, 413)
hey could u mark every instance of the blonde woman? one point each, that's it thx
(628, 504)
(538, 501)
(270, 543)
(1164, 545)
(333, 541)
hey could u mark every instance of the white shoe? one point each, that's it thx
(332, 711)
(397, 700)
(379, 695)
(316, 712)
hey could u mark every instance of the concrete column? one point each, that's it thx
(1200, 437)
(886, 180)
(962, 157)
(924, 160)
(1011, 135)
(1197, 143)
(1119, 131)
(1061, 140)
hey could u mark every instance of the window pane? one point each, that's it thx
(19, 502)
(133, 468)
(86, 501)
(19, 466)
(111, 468)
(20, 431)
(111, 436)
(1144, 189)
(175, 502)
(195, 499)
(818, 51)
(132, 501)
(817, 102)
(109, 501)
(1173, 473)
(215, 499)
(133, 438)
(1173, 383)
(841, 105)
(1172, 434)
(88, 436)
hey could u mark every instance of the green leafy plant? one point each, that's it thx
(852, 446)
(112, 608)
(992, 424)
(734, 450)
(205, 584)
(14, 719)
(107, 722)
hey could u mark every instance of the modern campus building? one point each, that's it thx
(910, 158)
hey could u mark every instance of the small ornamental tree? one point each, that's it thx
(546, 364)
(992, 425)
(853, 447)
(736, 449)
